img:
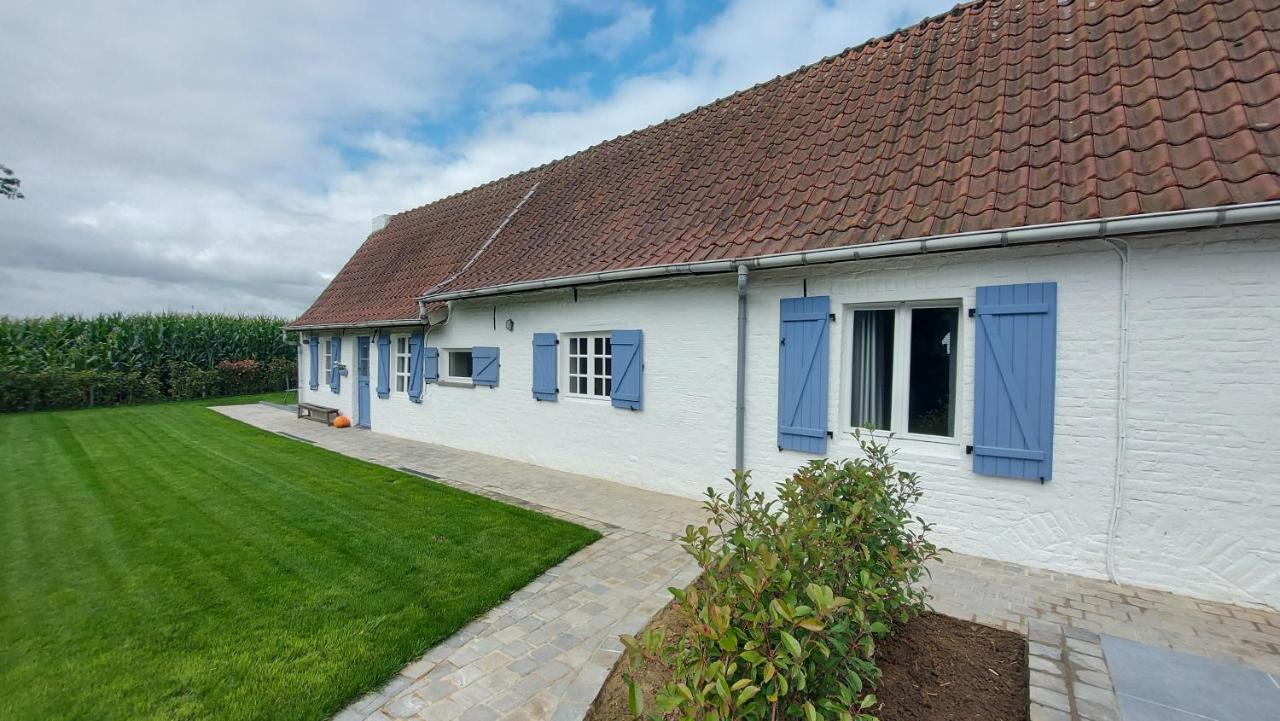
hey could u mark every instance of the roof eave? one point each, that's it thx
(1072, 230)
(357, 324)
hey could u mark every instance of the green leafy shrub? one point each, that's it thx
(281, 374)
(240, 376)
(794, 593)
(186, 380)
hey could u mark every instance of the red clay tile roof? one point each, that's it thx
(999, 114)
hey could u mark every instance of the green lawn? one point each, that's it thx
(165, 562)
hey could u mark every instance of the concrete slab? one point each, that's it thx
(1158, 683)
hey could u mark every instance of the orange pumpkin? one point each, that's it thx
(341, 422)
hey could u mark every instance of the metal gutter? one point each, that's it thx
(1073, 230)
(360, 324)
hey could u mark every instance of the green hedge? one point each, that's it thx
(61, 389)
(74, 362)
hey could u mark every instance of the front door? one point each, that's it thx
(362, 380)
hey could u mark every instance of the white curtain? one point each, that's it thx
(872, 368)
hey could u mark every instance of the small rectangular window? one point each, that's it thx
(591, 366)
(402, 364)
(459, 365)
(328, 362)
(902, 366)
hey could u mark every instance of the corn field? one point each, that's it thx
(72, 362)
(140, 343)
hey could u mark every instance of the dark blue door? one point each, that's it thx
(362, 380)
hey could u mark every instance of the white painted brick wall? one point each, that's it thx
(1200, 515)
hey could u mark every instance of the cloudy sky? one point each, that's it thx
(230, 156)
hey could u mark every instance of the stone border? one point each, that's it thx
(1068, 676)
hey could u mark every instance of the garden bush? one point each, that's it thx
(794, 593)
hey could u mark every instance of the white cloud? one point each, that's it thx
(632, 24)
(515, 94)
(177, 158)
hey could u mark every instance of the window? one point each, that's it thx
(458, 367)
(590, 366)
(328, 361)
(402, 365)
(915, 343)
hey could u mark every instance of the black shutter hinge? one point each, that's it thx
(973, 312)
(968, 450)
(832, 316)
(831, 435)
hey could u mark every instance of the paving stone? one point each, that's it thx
(1045, 650)
(1039, 663)
(1040, 712)
(478, 713)
(1090, 711)
(1088, 648)
(1100, 696)
(1094, 678)
(1052, 699)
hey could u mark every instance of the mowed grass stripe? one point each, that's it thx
(167, 562)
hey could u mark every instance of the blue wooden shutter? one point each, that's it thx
(432, 364)
(802, 374)
(1013, 377)
(628, 369)
(484, 365)
(335, 378)
(415, 367)
(544, 366)
(314, 343)
(384, 365)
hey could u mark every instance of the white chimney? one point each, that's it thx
(380, 222)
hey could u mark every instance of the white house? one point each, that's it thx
(1038, 242)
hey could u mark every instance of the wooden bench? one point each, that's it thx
(317, 413)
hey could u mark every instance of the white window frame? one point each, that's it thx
(591, 356)
(445, 358)
(396, 375)
(900, 401)
(328, 361)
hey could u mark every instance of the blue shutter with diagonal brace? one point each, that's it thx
(314, 344)
(1014, 365)
(431, 364)
(384, 365)
(335, 378)
(628, 369)
(802, 374)
(544, 366)
(415, 367)
(484, 365)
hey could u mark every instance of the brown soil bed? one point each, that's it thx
(936, 668)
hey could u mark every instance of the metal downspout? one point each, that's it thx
(740, 416)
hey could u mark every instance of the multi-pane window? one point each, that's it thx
(590, 366)
(328, 361)
(911, 343)
(402, 365)
(459, 365)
